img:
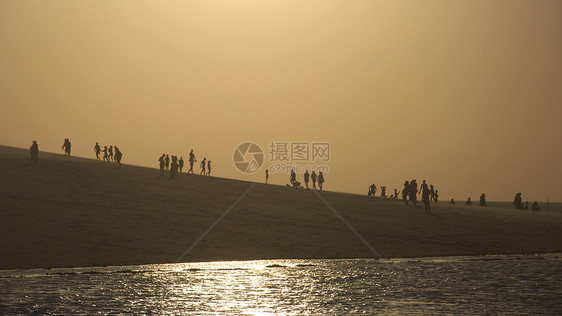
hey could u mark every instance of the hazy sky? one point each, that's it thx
(465, 94)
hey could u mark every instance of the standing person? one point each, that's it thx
(174, 167)
(426, 195)
(191, 161)
(180, 164)
(517, 201)
(372, 190)
(436, 195)
(406, 191)
(313, 178)
(320, 180)
(97, 150)
(167, 161)
(209, 168)
(162, 163)
(118, 155)
(432, 192)
(66, 146)
(483, 200)
(413, 191)
(383, 191)
(266, 175)
(395, 193)
(293, 177)
(105, 156)
(202, 167)
(306, 178)
(110, 153)
(34, 152)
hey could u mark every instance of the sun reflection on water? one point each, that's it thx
(292, 287)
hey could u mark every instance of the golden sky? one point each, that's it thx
(464, 94)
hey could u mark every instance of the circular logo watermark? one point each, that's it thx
(248, 157)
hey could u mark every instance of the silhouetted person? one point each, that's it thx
(162, 163)
(320, 180)
(426, 196)
(383, 191)
(293, 177)
(483, 200)
(180, 164)
(535, 206)
(452, 201)
(306, 178)
(396, 193)
(468, 202)
(436, 196)
(167, 162)
(423, 187)
(406, 191)
(209, 168)
(413, 191)
(34, 152)
(192, 160)
(105, 155)
(526, 207)
(203, 165)
(372, 189)
(432, 192)
(517, 201)
(110, 153)
(174, 167)
(266, 175)
(97, 150)
(313, 178)
(66, 146)
(118, 155)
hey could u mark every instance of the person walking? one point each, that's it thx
(34, 152)
(266, 175)
(313, 178)
(97, 150)
(320, 180)
(406, 192)
(203, 167)
(162, 163)
(180, 164)
(192, 160)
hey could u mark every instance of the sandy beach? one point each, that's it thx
(68, 212)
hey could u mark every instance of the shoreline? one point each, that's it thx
(78, 212)
(436, 259)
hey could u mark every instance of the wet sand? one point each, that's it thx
(68, 212)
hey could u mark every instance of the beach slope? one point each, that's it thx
(68, 212)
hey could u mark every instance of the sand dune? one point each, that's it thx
(68, 211)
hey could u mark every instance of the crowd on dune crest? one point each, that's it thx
(175, 165)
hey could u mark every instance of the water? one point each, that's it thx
(456, 285)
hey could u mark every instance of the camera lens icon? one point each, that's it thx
(248, 157)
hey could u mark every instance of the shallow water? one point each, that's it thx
(454, 285)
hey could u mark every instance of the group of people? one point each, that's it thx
(428, 193)
(518, 203)
(107, 153)
(373, 190)
(469, 201)
(177, 165)
(307, 178)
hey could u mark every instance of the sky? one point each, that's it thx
(464, 94)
